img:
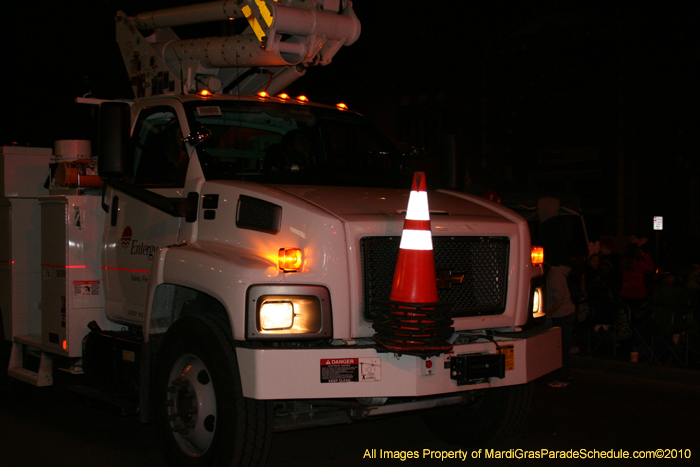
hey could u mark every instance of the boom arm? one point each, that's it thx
(283, 39)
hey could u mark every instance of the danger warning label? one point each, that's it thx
(339, 370)
(345, 370)
(86, 287)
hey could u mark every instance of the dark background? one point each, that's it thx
(598, 101)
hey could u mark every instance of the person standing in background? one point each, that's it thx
(559, 307)
(635, 265)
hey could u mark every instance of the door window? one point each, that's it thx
(160, 157)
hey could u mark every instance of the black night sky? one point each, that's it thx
(598, 100)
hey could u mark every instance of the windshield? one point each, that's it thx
(274, 143)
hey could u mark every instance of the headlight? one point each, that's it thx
(537, 303)
(288, 312)
(276, 315)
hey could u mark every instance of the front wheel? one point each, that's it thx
(203, 418)
(491, 418)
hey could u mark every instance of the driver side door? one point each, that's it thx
(135, 230)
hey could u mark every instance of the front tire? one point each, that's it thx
(490, 419)
(203, 418)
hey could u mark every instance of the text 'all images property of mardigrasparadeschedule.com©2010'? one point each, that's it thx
(464, 455)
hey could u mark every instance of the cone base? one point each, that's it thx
(419, 329)
(409, 348)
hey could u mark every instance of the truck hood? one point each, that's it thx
(349, 203)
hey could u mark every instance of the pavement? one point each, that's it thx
(666, 375)
(616, 361)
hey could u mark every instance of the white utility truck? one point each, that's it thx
(220, 262)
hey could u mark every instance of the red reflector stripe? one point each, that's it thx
(125, 269)
(410, 224)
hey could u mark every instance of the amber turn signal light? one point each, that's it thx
(537, 255)
(289, 259)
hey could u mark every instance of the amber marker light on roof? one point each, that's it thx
(537, 255)
(289, 259)
(341, 106)
(284, 96)
(303, 99)
(204, 92)
(263, 94)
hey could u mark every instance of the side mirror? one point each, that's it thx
(114, 152)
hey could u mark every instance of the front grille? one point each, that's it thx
(482, 260)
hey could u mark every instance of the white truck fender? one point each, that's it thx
(224, 273)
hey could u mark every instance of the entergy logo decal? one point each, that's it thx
(137, 248)
(126, 237)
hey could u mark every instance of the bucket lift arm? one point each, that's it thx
(282, 40)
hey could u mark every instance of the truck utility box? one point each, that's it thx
(23, 175)
(71, 276)
(24, 171)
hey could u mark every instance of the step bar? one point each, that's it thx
(20, 346)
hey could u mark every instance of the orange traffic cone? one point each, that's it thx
(414, 276)
(412, 321)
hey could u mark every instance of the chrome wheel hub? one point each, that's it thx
(191, 405)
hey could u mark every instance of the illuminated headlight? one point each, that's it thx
(276, 315)
(537, 303)
(288, 312)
